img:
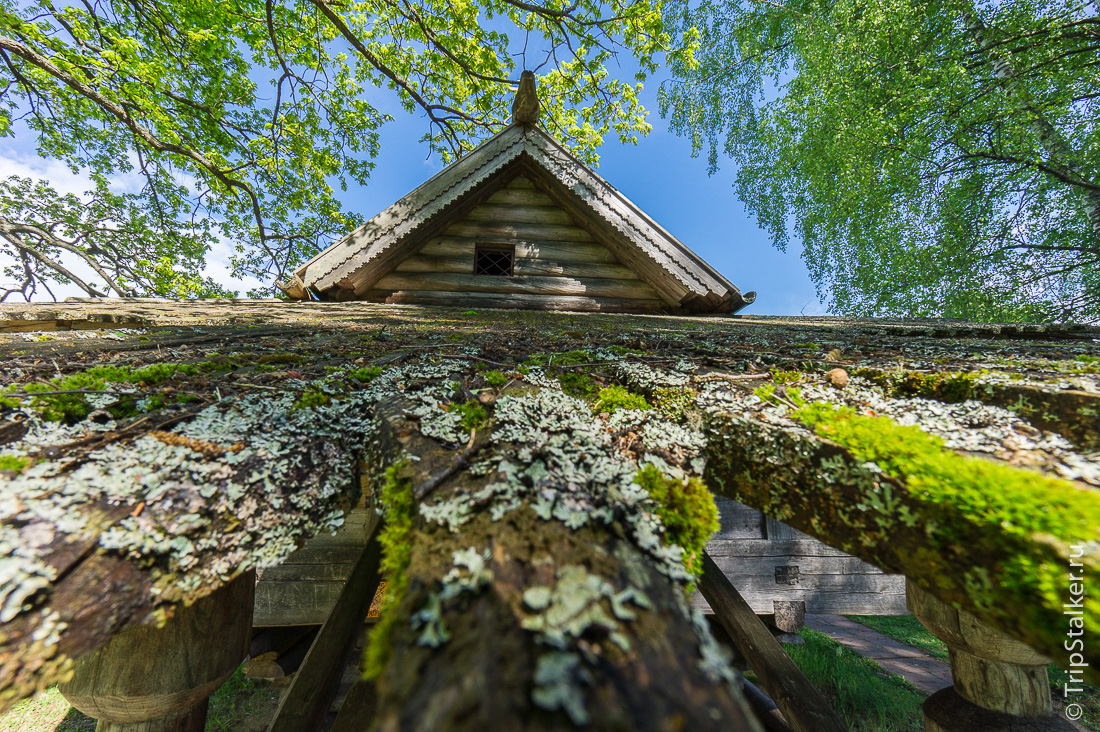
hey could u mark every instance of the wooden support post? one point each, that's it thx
(1000, 683)
(150, 679)
(802, 705)
(303, 706)
(788, 617)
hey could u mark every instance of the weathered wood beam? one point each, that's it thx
(518, 302)
(553, 232)
(525, 196)
(160, 678)
(1001, 685)
(526, 248)
(510, 619)
(259, 475)
(304, 703)
(523, 266)
(1006, 577)
(513, 213)
(357, 712)
(802, 705)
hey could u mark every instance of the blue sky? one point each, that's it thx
(658, 174)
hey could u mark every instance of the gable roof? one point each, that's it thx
(365, 255)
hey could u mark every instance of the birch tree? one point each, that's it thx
(934, 158)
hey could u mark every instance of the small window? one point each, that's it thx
(494, 259)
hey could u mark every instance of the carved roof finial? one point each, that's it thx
(525, 108)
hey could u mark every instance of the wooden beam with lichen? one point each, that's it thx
(1003, 544)
(162, 498)
(536, 594)
(158, 518)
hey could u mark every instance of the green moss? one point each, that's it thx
(496, 378)
(787, 396)
(365, 374)
(566, 358)
(266, 367)
(71, 408)
(1026, 519)
(11, 462)
(946, 387)
(154, 402)
(399, 505)
(612, 398)
(312, 398)
(473, 414)
(1020, 502)
(578, 385)
(686, 508)
(674, 401)
(620, 350)
(876, 377)
(220, 363)
(950, 387)
(786, 377)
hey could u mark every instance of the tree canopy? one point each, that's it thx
(242, 118)
(933, 158)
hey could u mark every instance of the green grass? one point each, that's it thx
(907, 629)
(866, 697)
(242, 705)
(48, 712)
(239, 705)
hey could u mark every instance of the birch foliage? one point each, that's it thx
(933, 158)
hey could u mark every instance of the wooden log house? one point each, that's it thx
(522, 223)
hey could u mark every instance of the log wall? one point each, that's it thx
(558, 264)
(768, 561)
(303, 589)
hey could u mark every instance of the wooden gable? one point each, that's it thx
(558, 264)
(574, 242)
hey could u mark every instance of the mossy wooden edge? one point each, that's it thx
(1070, 412)
(818, 487)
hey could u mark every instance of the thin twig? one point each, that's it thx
(460, 461)
(24, 394)
(474, 358)
(730, 377)
(93, 442)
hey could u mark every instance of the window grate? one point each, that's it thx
(494, 260)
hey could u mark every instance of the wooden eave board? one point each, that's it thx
(377, 247)
(608, 204)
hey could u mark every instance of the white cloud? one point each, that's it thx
(57, 173)
(64, 181)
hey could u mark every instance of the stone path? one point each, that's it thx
(922, 671)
